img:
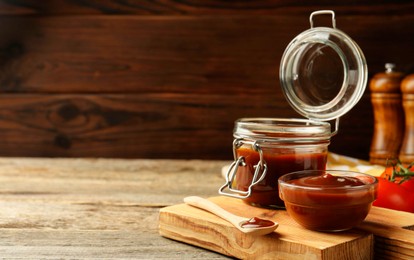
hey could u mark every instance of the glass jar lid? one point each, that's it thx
(323, 72)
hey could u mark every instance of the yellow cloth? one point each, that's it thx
(341, 162)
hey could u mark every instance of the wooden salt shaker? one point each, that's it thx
(407, 148)
(388, 115)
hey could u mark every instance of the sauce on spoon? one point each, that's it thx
(256, 222)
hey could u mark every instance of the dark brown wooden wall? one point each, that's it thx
(167, 79)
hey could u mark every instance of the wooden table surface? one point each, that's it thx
(97, 208)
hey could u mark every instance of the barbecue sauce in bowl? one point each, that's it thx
(328, 200)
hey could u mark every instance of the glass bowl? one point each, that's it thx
(328, 200)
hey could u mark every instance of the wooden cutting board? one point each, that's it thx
(385, 234)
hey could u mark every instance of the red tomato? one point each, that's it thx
(394, 196)
(408, 185)
(396, 188)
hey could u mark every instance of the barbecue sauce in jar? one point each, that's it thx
(279, 161)
(267, 148)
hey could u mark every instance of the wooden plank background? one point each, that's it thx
(167, 79)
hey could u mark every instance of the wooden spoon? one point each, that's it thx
(253, 226)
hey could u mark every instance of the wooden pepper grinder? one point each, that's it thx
(407, 148)
(388, 115)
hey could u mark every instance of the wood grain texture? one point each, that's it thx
(97, 208)
(98, 54)
(208, 63)
(183, 7)
(226, 55)
(90, 244)
(130, 126)
(393, 233)
(150, 125)
(394, 239)
(290, 241)
(407, 149)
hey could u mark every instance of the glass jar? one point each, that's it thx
(323, 74)
(267, 148)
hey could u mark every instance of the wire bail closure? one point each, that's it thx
(261, 166)
(323, 12)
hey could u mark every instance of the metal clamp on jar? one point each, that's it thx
(323, 74)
